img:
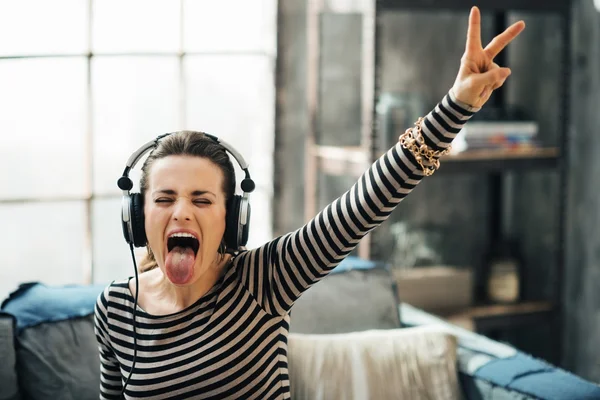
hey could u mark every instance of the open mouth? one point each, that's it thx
(182, 249)
(183, 240)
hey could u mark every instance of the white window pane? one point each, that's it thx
(230, 25)
(43, 27)
(233, 97)
(135, 99)
(348, 6)
(43, 120)
(112, 257)
(42, 242)
(261, 219)
(135, 26)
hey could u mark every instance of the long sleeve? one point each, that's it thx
(110, 375)
(280, 271)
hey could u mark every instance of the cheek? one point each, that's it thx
(154, 219)
(216, 223)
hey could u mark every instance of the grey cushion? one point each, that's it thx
(9, 384)
(59, 360)
(350, 301)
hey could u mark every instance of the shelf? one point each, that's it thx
(353, 161)
(498, 316)
(476, 161)
(484, 5)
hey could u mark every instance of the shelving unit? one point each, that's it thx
(353, 161)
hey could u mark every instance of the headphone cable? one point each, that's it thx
(137, 290)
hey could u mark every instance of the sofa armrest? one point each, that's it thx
(413, 316)
(493, 370)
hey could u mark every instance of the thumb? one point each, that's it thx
(491, 77)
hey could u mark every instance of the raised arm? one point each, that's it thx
(280, 271)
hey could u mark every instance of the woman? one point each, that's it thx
(214, 325)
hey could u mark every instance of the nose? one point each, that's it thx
(182, 210)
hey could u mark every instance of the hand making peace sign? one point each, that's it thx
(478, 75)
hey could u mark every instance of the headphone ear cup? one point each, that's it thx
(231, 223)
(244, 221)
(125, 212)
(137, 220)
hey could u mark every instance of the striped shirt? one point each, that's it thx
(232, 343)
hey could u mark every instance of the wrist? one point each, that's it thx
(462, 102)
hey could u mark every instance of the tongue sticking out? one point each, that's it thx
(180, 265)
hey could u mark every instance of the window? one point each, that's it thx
(90, 83)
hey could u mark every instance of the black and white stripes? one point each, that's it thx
(232, 343)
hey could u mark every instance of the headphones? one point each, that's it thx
(237, 220)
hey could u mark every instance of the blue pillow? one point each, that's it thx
(35, 303)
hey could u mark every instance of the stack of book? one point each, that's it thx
(506, 135)
(499, 128)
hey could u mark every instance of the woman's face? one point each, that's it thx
(184, 209)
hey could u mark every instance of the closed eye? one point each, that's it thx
(202, 201)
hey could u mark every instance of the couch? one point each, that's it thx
(48, 348)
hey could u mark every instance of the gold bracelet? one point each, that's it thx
(418, 148)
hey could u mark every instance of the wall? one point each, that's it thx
(582, 283)
(291, 116)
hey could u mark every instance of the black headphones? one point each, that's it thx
(237, 222)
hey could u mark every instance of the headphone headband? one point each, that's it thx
(126, 184)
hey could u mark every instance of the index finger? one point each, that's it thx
(503, 39)
(474, 30)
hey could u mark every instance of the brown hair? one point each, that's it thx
(188, 143)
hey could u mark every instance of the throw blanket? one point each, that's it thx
(410, 363)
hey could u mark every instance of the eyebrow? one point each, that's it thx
(173, 192)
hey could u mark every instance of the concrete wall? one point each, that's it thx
(582, 283)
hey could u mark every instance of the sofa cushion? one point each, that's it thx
(348, 301)
(59, 360)
(56, 348)
(8, 372)
(410, 363)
